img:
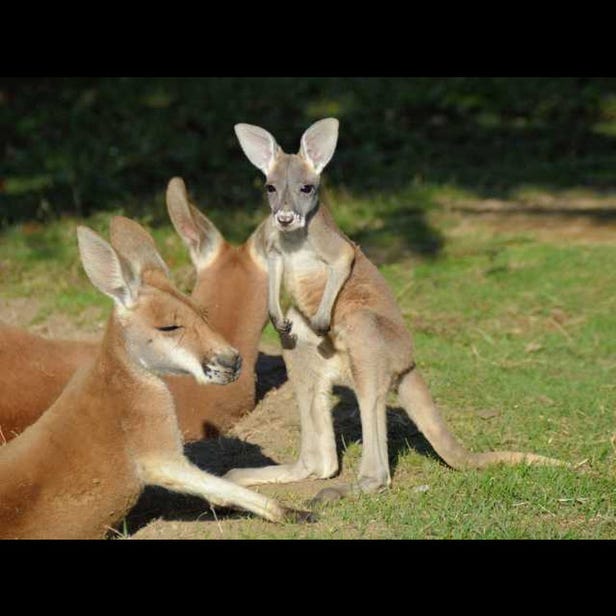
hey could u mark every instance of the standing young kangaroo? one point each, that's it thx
(231, 285)
(344, 326)
(78, 470)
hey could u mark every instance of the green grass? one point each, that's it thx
(517, 338)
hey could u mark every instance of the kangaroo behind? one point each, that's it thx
(231, 286)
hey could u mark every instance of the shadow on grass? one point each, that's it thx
(402, 434)
(85, 144)
(271, 373)
(214, 455)
(219, 455)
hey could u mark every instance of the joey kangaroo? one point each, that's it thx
(344, 326)
(77, 471)
(231, 285)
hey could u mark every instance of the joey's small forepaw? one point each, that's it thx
(286, 327)
(282, 326)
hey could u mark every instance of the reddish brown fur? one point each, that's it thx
(34, 371)
(76, 471)
(72, 474)
(233, 291)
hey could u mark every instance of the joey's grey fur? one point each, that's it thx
(344, 326)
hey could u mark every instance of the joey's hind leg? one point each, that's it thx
(374, 474)
(311, 375)
(371, 381)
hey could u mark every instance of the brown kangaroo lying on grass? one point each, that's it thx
(344, 326)
(231, 285)
(78, 470)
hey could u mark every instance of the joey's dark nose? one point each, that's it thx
(285, 218)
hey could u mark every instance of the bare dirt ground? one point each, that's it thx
(270, 433)
(546, 217)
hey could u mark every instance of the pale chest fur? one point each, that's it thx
(304, 277)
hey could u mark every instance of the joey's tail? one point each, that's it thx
(417, 402)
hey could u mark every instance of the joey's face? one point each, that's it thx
(292, 191)
(167, 334)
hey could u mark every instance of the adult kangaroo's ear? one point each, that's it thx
(107, 270)
(135, 244)
(319, 143)
(259, 146)
(197, 231)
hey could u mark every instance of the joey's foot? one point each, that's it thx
(329, 495)
(320, 325)
(372, 485)
(298, 516)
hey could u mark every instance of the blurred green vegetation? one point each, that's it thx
(516, 333)
(80, 145)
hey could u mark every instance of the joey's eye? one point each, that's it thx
(270, 188)
(169, 328)
(307, 188)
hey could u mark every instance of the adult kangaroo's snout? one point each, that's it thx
(224, 367)
(232, 361)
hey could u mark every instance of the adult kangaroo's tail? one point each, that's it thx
(417, 402)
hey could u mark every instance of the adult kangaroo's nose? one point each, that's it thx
(233, 361)
(285, 217)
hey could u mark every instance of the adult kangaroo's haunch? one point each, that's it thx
(78, 470)
(344, 326)
(231, 286)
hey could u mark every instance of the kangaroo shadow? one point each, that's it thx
(220, 454)
(402, 433)
(214, 455)
(271, 374)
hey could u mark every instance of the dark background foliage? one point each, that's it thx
(78, 145)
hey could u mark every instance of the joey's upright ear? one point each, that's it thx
(259, 146)
(106, 269)
(200, 235)
(319, 142)
(135, 244)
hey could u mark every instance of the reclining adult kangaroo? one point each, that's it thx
(343, 328)
(81, 466)
(231, 285)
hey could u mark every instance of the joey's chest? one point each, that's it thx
(304, 276)
(301, 268)
(302, 262)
